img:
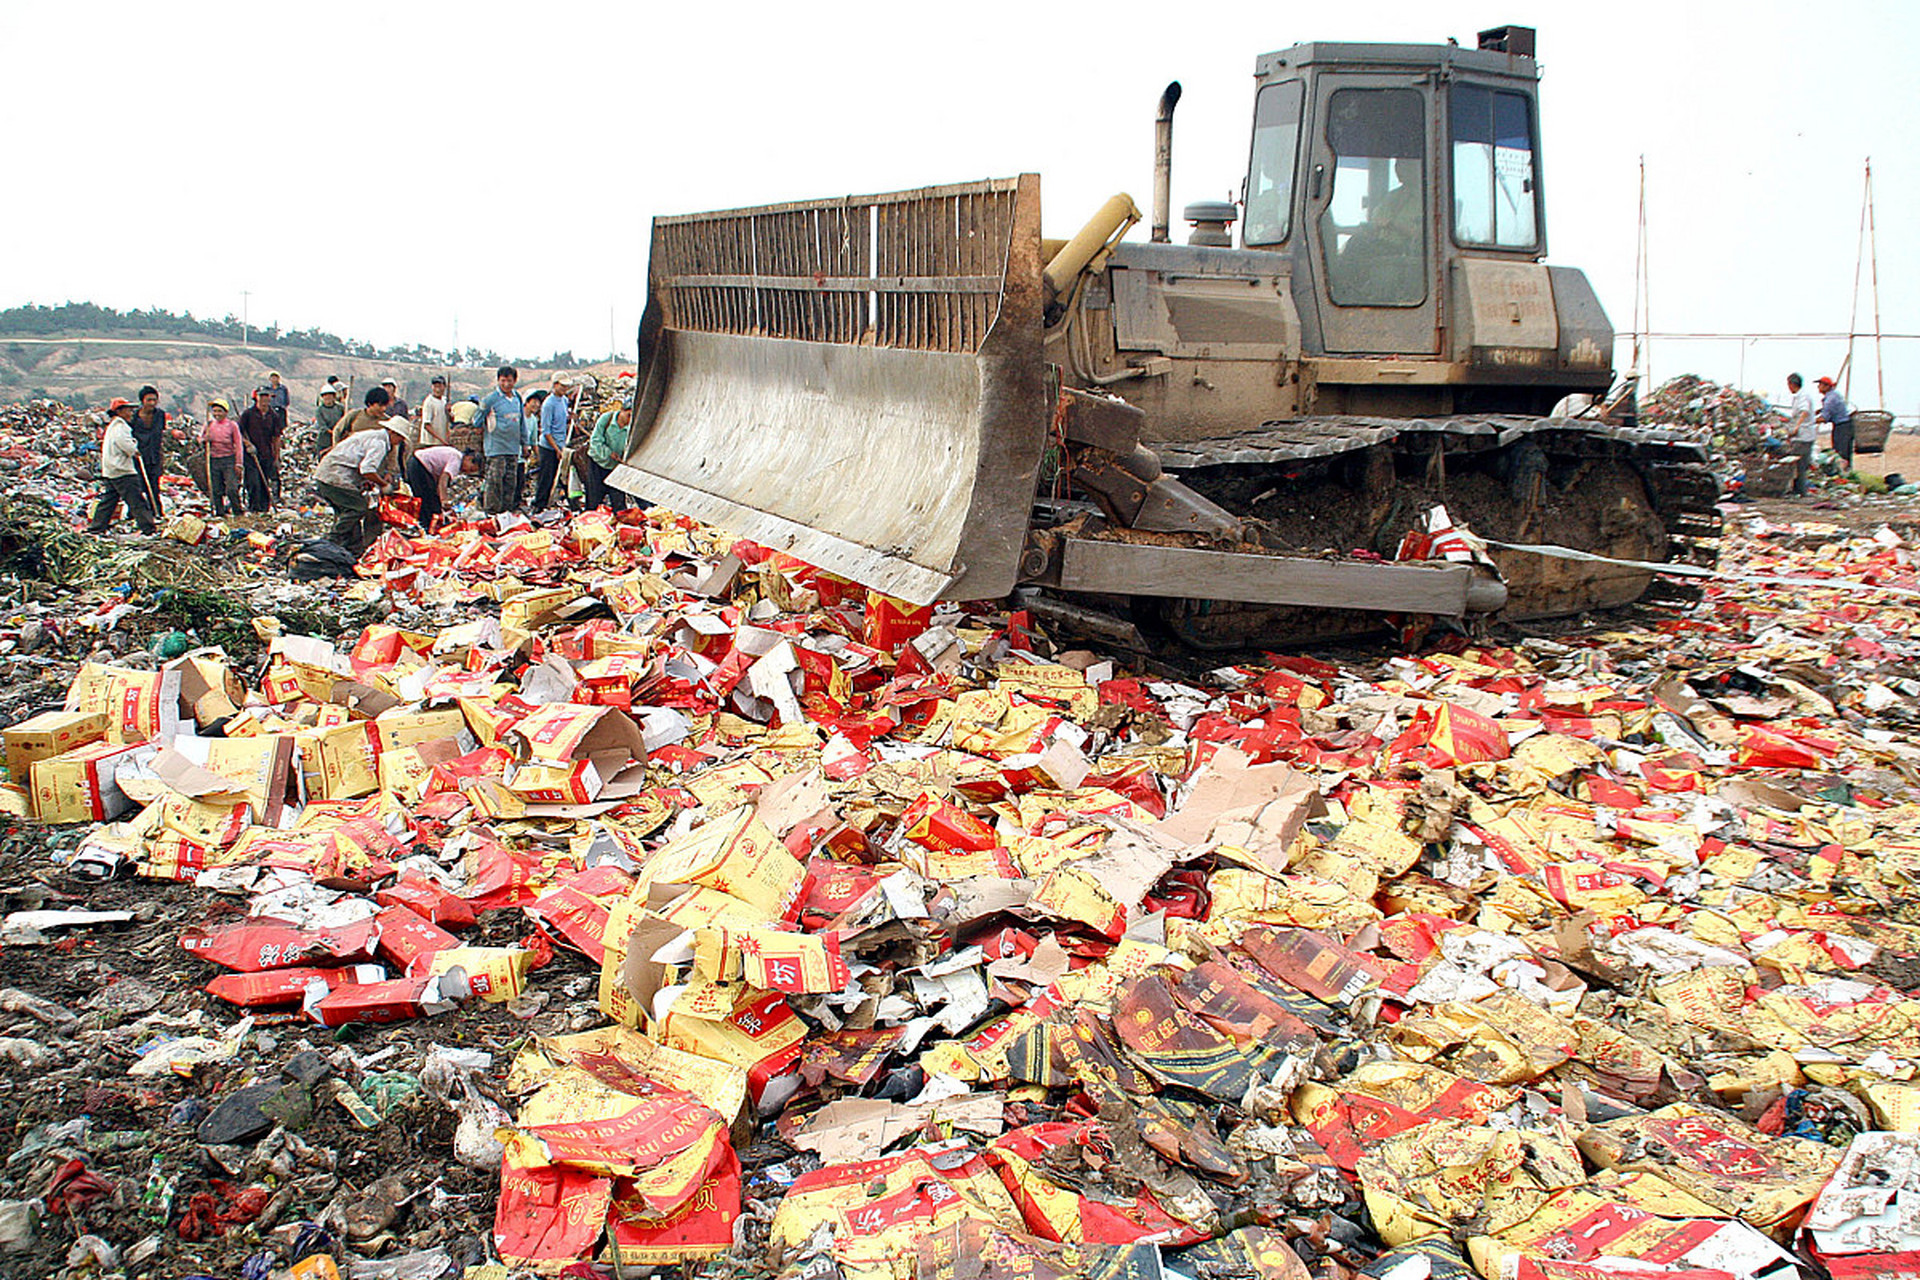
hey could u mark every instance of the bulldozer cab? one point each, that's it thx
(1377, 168)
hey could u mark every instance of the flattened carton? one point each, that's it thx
(1446, 1176)
(736, 854)
(1867, 1219)
(1578, 1226)
(1718, 1159)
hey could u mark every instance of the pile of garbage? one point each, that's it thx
(1732, 421)
(633, 895)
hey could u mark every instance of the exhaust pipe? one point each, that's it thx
(1163, 163)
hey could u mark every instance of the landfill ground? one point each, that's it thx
(604, 895)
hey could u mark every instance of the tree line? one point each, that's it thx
(43, 321)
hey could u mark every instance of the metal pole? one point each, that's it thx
(244, 295)
(1642, 301)
(1873, 266)
(1853, 309)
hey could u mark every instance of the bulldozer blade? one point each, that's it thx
(857, 382)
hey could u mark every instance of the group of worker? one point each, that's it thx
(242, 455)
(379, 449)
(536, 432)
(1803, 425)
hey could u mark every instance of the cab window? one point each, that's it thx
(1373, 230)
(1276, 146)
(1493, 179)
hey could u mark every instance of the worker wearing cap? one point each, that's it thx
(502, 420)
(327, 416)
(396, 407)
(436, 424)
(263, 426)
(121, 473)
(226, 450)
(351, 471)
(556, 416)
(282, 396)
(1839, 419)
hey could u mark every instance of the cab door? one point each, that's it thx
(1370, 216)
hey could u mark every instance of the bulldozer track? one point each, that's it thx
(1681, 491)
(1684, 489)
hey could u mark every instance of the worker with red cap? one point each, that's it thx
(122, 476)
(1838, 417)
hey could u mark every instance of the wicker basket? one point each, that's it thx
(1871, 427)
(1767, 476)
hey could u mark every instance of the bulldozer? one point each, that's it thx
(1254, 439)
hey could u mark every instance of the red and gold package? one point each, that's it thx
(1450, 1178)
(288, 986)
(736, 854)
(262, 943)
(891, 623)
(932, 823)
(1380, 1099)
(493, 974)
(1055, 1212)
(668, 1142)
(1449, 735)
(549, 1215)
(139, 705)
(48, 734)
(771, 959)
(562, 732)
(488, 720)
(702, 1227)
(761, 1034)
(1577, 1225)
(395, 729)
(577, 911)
(1718, 1159)
(879, 1209)
(341, 761)
(428, 900)
(577, 782)
(395, 1000)
(206, 822)
(406, 938)
(79, 785)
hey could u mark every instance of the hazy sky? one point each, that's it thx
(386, 171)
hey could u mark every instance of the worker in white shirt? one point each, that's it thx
(436, 425)
(1802, 432)
(122, 475)
(351, 471)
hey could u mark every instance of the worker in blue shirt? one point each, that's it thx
(503, 421)
(556, 417)
(1839, 419)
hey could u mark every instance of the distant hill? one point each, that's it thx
(34, 321)
(85, 355)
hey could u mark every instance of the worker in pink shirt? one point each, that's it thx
(225, 447)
